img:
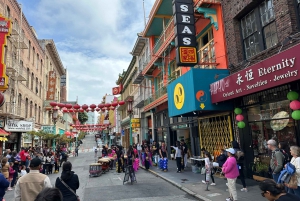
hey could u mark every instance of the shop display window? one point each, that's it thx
(271, 121)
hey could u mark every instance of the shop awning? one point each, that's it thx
(3, 132)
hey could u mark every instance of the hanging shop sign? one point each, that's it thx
(135, 123)
(51, 86)
(48, 129)
(277, 70)
(116, 90)
(185, 39)
(5, 30)
(18, 126)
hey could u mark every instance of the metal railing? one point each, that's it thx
(11, 109)
(198, 3)
(159, 93)
(207, 55)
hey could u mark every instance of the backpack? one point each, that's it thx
(286, 157)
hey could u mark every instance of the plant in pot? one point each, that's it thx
(259, 168)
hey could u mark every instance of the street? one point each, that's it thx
(110, 186)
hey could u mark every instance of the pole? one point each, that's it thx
(54, 141)
(130, 130)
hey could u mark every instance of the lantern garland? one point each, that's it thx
(239, 117)
(294, 104)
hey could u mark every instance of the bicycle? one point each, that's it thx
(129, 172)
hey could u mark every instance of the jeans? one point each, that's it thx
(275, 177)
(295, 191)
(178, 162)
(242, 176)
(14, 178)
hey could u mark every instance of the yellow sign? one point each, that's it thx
(202, 106)
(135, 120)
(179, 96)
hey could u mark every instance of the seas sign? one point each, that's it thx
(18, 126)
(275, 71)
(184, 28)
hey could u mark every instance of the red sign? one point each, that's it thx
(51, 86)
(188, 55)
(116, 90)
(5, 29)
(277, 70)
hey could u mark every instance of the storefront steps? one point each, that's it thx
(192, 184)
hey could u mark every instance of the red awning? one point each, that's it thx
(3, 132)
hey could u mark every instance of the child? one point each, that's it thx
(11, 175)
(208, 169)
(23, 171)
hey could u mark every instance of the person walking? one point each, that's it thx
(178, 156)
(277, 159)
(240, 157)
(76, 151)
(68, 183)
(185, 151)
(5, 168)
(295, 153)
(163, 152)
(139, 149)
(209, 169)
(31, 184)
(231, 173)
(272, 191)
(3, 186)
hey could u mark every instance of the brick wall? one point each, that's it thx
(234, 10)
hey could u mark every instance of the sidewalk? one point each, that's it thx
(192, 184)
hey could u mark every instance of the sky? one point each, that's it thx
(93, 39)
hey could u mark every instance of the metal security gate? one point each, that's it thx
(215, 133)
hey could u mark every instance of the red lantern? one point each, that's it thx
(77, 107)
(71, 110)
(112, 108)
(114, 104)
(65, 111)
(53, 104)
(68, 106)
(93, 106)
(239, 117)
(81, 110)
(61, 105)
(84, 106)
(101, 106)
(68, 133)
(107, 105)
(87, 110)
(98, 109)
(121, 102)
(295, 105)
(103, 109)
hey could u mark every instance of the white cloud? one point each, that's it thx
(93, 37)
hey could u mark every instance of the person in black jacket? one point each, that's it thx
(49, 194)
(3, 185)
(240, 162)
(15, 167)
(221, 159)
(71, 179)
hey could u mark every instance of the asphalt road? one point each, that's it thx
(110, 186)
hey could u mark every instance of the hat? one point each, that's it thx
(35, 162)
(231, 150)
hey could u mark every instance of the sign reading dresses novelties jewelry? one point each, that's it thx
(18, 126)
(5, 30)
(185, 39)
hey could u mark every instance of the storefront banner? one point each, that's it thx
(61, 131)
(18, 126)
(277, 70)
(190, 92)
(48, 129)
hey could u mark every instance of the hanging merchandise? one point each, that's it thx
(238, 110)
(296, 114)
(292, 95)
(241, 124)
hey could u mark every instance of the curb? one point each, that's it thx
(195, 195)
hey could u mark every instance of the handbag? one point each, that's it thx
(66, 185)
(293, 183)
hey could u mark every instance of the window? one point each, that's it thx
(261, 19)
(159, 81)
(31, 108)
(35, 111)
(36, 85)
(32, 80)
(19, 100)
(206, 50)
(7, 12)
(41, 67)
(33, 53)
(26, 108)
(29, 49)
(39, 115)
(174, 71)
(37, 61)
(40, 89)
(27, 81)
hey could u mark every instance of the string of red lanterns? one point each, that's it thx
(69, 108)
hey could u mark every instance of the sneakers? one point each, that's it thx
(229, 199)
(244, 190)
(10, 189)
(178, 171)
(203, 181)
(213, 184)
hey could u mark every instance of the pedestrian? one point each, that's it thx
(275, 192)
(277, 159)
(68, 183)
(185, 152)
(3, 186)
(231, 173)
(96, 151)
(139, 149)
(49, 194)
(11, 175)
(15, 167)
(76, 151)
(163, 163)
(5, 168)
(209, 168)
(178, 156)
(31, 184)
(295, 153)
(64, 157)
(23, 171)
(56, 161)
(240, 157)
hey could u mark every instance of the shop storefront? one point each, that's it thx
(261, 92)
(194, 117)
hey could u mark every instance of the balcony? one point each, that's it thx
(139, 102)
(138, 77)
(205, 3)
(159, 93)
(161, 44)
(11, 110)
(207, 56)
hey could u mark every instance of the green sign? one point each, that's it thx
(61, 131)
(48, 129)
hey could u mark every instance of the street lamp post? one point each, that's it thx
(54, 119)
(129, 110)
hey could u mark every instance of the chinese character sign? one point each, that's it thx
(5, 30)
(51, 85)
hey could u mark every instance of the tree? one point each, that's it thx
(82, 117)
